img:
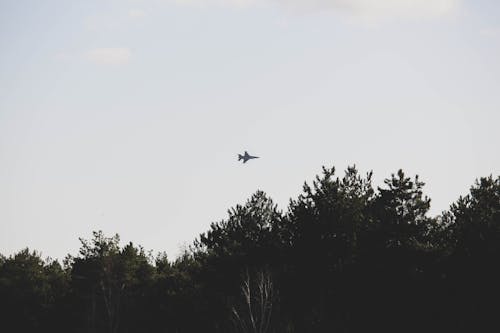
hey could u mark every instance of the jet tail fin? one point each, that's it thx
(240, 157)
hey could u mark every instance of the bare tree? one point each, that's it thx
(112, 289)
(254, 314)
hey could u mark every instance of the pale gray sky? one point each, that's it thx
(127, 116)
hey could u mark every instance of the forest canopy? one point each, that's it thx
(344, 257)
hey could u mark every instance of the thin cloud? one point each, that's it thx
(224, 3)
(490, 32)
(282, 23)
(363, 8)
(101, 22)
(111, 56)
(62, 56)
(136, 13)
(113, 21)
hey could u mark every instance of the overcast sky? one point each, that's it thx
(126, 116)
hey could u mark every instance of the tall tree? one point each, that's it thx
(326, 224)
(475, 262)
(108, 278)
(30, 290)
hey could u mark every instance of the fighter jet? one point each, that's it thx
(246, 157)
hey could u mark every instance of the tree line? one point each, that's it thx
(344, 257)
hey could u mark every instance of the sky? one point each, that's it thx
(127, 115)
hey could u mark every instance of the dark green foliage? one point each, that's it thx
(248, 238)
(31, 290)
(476, 217)
(474, 264)
(249, 232)
(344, 257)
(325, 224)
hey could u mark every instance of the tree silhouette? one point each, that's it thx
(344, 257)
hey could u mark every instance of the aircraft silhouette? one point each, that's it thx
(246, 157)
